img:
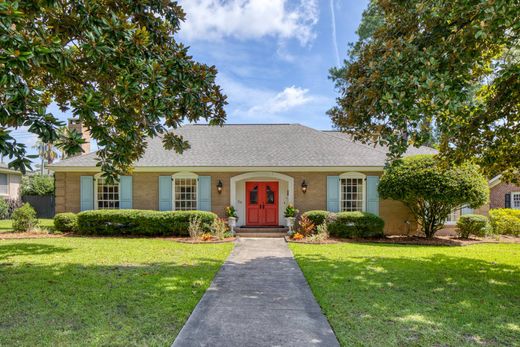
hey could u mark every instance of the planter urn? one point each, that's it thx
(290, 224)
(232, 222)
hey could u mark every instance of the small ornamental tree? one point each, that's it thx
(432, 192)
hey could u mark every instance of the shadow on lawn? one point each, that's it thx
(433, 300)
(87, 304)
(20, 249)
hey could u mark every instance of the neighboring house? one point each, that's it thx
(10, 181)
(259, 169)
(503, 195)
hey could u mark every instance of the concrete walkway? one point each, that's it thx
(258, 298)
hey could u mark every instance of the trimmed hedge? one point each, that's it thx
(356, 224)
(505, 221)
(66, 222)
(317, 217)
(141, 222)
(472, 224)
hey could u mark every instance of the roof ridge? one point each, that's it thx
(239, 124)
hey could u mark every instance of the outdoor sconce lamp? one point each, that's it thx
(219, 186)
(304, 187)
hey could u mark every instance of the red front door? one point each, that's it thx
(262, 203)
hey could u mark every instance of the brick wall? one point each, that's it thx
(498, 192)
(145, 195)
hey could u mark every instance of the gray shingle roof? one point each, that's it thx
(259, 145)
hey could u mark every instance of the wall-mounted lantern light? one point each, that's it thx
(219, 186)
(304, 187)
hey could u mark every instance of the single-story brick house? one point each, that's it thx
(258, 169)
(10, 181)
(503, 195)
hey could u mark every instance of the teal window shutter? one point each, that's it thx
(204, 193)
(86, 193)
(372, 195)
(125, 192)
(333, 193)
(165, 193)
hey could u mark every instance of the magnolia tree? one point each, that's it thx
(114, 64)
(431, 191)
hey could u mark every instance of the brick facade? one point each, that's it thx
(145, 195)
(498, 192)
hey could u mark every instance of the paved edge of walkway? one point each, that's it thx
(259, 297)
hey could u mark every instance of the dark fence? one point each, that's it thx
(44, 205)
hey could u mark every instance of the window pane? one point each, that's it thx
(185, 193)
(515, 199)
(107, 195)
(352, 194)
(253, 196)
(4, 185)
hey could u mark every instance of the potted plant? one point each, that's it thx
(232, 217)
(290, 215)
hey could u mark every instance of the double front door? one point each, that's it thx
(262, 203)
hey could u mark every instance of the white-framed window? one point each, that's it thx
(352, 191)
(185, 191)
(456, 213)
(515, 200)
(4, 184)
(106, 195)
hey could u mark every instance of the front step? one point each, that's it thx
(261, 232)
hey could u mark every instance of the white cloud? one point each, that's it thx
(287, 99)
(249, 19)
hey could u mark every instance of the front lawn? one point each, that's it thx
(6, 225)
(395, 295)
(92, 292)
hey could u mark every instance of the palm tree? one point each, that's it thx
(47, 153)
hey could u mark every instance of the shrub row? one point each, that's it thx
(317, 217)
(140, 222)
(66, 222)
(356, 224)
(505, 221)
(348, 224)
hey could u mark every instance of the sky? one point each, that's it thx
(272, 56)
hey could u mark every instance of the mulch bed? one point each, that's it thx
(325, 242)
(30, 235)
(190, 240)
(417, 240)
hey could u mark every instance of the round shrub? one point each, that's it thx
(355, 224)
(505, 221)
(24, 218)
(66, 222)
(141, 222)
(317, 217)
(4, 209)
(472, 224)
(432, 191)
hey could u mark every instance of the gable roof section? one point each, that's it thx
(258, 145)
(410, 151)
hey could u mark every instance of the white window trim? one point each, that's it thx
(364, 193)
(184, 175)
(513, 194)
(96, 178)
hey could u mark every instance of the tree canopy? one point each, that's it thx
(431, 191)
(435, 67)
(114, 63)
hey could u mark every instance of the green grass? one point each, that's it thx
(6, 225)
(395, 295)
(92, 292)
